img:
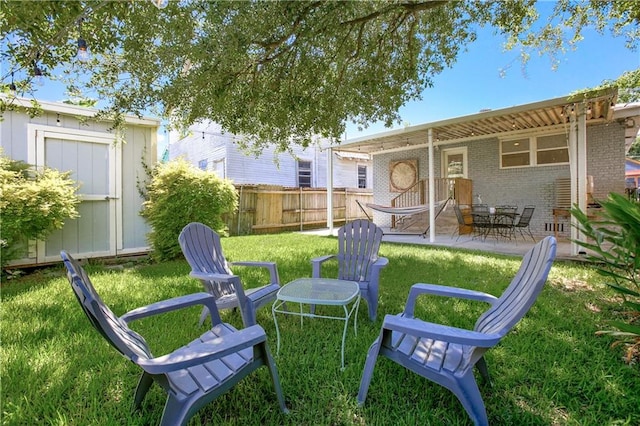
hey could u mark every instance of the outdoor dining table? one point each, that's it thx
(494, 221)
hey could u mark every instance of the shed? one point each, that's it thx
(69, 138)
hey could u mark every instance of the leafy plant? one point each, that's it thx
(33, 203)
(613, 241)
(180, 193)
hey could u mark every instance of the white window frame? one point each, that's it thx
(364, 166)
(310, 169)
(533, 150)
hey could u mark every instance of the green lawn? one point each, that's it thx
(550, 370)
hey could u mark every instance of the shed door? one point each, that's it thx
(91, 159)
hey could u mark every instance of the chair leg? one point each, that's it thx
(467, 392)
(203, 315)
(484, 371)
(271, 365)
(371, 297)
(367, 373)
(175, 413)
(144, 384)
(530, 234)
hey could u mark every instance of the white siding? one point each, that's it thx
(268, 168)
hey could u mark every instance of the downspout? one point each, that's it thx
(432, 195)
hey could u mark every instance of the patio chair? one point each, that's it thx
(447, 355)
(481, 220)
(504, 221)
(193, 375)
(202, 249)
(463, 220)
(358, 244)
(524, 220)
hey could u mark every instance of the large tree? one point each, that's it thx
(279, 72)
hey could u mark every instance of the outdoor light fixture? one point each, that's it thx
(38, 78)
(83, 52)
(160, 4)
(58, 122)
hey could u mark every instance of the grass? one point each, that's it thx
(550, 370)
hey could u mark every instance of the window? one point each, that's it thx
(202, 164)
(552, 150)
(304, 174)
(362, 176)
(534, 151)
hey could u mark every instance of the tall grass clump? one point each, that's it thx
(613, 244)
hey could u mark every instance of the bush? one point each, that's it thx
(33, 203)
(178, 194)
(614, 241)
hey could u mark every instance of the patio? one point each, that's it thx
(518, 247)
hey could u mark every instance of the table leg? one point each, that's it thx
(344, 334)
(275, 321)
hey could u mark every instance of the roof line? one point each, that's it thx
(568, 99)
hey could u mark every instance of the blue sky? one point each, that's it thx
(474, 82)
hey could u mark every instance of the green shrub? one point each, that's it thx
(613, 240)
(180, 193)
(33, 203)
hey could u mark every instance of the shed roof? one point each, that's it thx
(75, 110)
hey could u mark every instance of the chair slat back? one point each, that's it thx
(521, 292)
(203, 251)
(358, 245)
(108, 324)
(526, 215)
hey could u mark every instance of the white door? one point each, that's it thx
(454, 163)
(91, 159)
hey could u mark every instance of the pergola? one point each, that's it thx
(572, 112)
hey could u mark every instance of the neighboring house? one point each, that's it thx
(209, 148)
(632, 173)
(67, 138)
(515, 156)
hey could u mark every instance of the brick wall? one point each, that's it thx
(517, 186)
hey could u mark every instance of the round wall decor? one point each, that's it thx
(403, 174)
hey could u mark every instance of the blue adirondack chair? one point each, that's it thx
(358, 244)
(193, 375)
(202, 249)
(447, 355)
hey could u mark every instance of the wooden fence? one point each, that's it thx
(266, 209)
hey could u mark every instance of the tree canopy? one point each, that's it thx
(280, 72)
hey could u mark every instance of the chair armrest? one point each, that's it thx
(170, 305)
(317, 262)
(198, 354)
(415, 327)
(210, 276)
(380, 263)
(271, 266)
(441, 290)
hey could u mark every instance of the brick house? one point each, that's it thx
(521, 155)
